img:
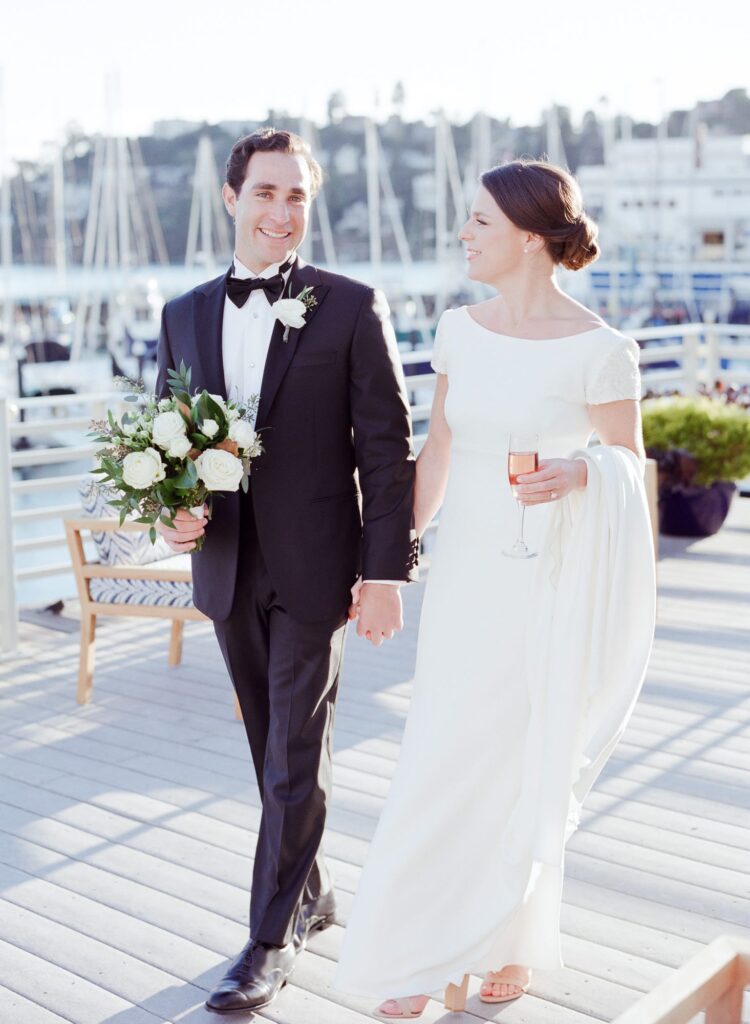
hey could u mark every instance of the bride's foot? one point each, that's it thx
(502, 986)
(408, 1008)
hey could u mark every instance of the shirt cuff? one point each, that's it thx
(390, 583)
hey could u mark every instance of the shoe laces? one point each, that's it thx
(247, 954)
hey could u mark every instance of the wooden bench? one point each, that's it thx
(714, 980)
(85, 571)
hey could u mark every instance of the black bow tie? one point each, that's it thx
(239, 288)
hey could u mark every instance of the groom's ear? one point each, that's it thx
(230, 199)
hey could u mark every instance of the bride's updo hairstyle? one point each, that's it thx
(545, 200)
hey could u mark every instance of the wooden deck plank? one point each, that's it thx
(124, 931)
(96, 961)
(52, 987)
(127, 827)
(17, 1008)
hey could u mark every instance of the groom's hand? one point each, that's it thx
(380, 612)
(188, 530)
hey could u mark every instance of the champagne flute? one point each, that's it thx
(523, 457)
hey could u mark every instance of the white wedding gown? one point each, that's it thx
(440, 893)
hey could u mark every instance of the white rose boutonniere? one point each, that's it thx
(291, 312)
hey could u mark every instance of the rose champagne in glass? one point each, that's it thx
(523, 457)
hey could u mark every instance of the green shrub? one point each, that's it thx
(716, 434)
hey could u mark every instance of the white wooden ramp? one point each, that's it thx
(127, 827)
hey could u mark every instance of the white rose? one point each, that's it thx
(179, 448)
(142, 469)
(129, 429)
(210, 428)
(168, 426)
(219, 470)
(291, 312)
(243, 434)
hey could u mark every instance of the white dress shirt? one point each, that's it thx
(245, 340)
(246, 337)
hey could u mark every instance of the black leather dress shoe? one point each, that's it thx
(255, 978)
(314, 916)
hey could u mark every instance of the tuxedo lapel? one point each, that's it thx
(208, 317)
(280, 352)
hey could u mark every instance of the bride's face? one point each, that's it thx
(493, 244)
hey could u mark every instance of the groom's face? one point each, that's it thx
(272, 209)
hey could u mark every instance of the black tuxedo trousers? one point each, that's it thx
(285, 673)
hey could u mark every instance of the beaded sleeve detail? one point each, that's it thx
(617, 377)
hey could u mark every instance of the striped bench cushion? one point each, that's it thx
(132, 549)
(126, 548)
(166, 593)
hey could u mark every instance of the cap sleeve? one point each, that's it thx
(615, 376)
(439, 360)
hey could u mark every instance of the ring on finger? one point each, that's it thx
(552, 495)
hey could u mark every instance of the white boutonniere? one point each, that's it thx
(291, 312)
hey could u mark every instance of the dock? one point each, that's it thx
(127, 826)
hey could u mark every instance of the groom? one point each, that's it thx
(330, 498)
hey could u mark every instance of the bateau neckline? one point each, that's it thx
(514, 337)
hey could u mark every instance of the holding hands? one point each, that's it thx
(554, 479)
(378, 609)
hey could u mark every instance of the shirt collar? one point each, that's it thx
(242, 272)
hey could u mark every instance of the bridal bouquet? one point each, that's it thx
(175, 453)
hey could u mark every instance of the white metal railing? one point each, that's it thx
(65, 416)
(697, 349)
(8, 611)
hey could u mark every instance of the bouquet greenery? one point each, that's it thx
(175, 453)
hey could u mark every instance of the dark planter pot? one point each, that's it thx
(695, 511)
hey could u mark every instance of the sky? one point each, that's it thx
(188, 59)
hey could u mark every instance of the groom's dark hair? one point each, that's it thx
(269, 140)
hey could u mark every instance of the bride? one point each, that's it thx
(527, 667)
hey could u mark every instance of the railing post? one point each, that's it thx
(690, 362)
(8, 610)
(713, 366)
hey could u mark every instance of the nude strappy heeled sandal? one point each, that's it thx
(454, 1000)
(406, 1008)
(507, 976)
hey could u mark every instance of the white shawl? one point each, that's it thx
(589, 638)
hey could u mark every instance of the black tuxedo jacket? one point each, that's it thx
(333, 492)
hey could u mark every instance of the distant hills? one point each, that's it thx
(169, 155)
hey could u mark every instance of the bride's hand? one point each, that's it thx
(353, 612)
(553, 480)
